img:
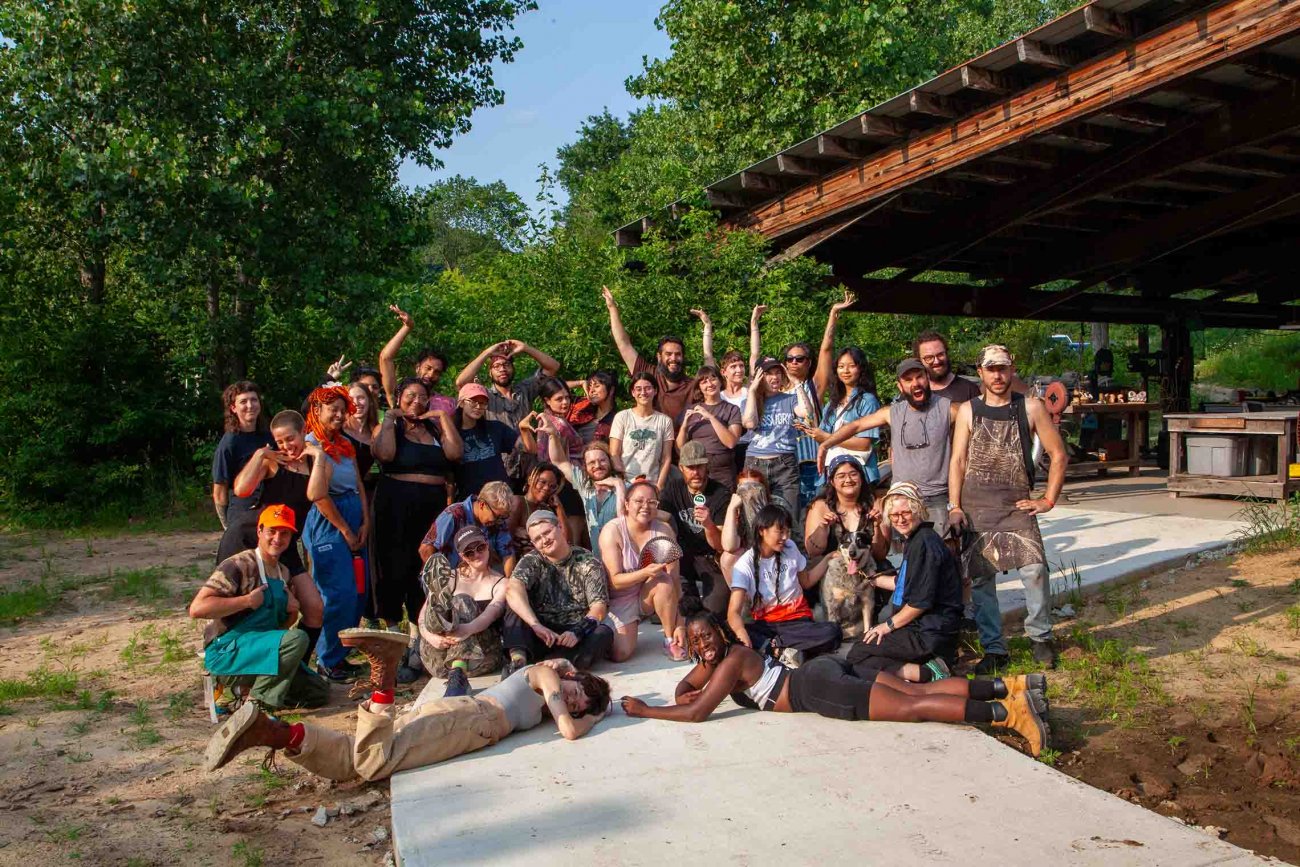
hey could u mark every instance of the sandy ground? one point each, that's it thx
(1205, 728)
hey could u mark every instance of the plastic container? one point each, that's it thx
(1217, 455)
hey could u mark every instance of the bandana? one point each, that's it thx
(337, 447)
(583, 412)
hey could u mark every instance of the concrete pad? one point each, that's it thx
(764, 788)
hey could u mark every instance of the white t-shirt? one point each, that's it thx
(739, 402)
(781, 597)
(643, 441)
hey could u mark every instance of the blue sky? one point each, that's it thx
(576, 56)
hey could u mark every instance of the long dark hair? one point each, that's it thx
(711, 620)
(549, 387)
(637, 377)
(866, 377)
(831, 497)
(771, 515)
(234, 390)
(697, 396)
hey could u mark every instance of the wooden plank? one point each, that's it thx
(839, 148)
(985, 81)
(1182, 48)
(1271, 66)
(791, 165)
(1037, 53)
(761, 183)
(1265, 487)
(724, 201)
(874, 126)
(932, 104)
(1114, 24)
(1139, 115)
(1217, 423)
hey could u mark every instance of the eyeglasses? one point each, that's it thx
(795, 359)
(645, 504)
(925, 436)
(931, 359)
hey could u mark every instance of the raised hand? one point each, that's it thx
(759, 310)
(703, 317)
(849, 300)
(403, 315)
(608, 296)
(335, 370)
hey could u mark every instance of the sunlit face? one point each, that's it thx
(545, 537)
(901, 516)
(597, 392)
(798, 361)
(474, 408)
(414, 399)
(502, 371)
(430, 370)
(333, 414)
(558, 404)
(290, 442)
(997, 378)
(597, 464)
(735, 373)
(915, 386)
(542, 486)
(246, 407)
(274, 540)
(934, 355)
(847, 480)
(848, 371)
(773, 538)
(672, 356)
(705, 642)
(774, 379)
(710, 387)
(575, 697)
(643, 392)
(642, 504)
(695, 476)
(361, 398)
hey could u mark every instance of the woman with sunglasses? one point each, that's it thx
(460, 623)
(725, 666)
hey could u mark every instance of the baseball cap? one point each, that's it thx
(278, 515)
(692, 454)
(471, 390)
(909, 364)
(767, 362)
(467, 536)
(542, 516)
(995, 355)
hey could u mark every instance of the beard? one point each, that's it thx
(922, 403)
(673, 375)
(935, 376)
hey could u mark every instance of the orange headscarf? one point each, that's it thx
(337, 447)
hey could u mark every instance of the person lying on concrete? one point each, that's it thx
(827, 686)
(558, 597)
(771, 578)
(917, 640)
(636, 590)
(387, 742)
(251, 601)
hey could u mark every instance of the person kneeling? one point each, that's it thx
(251, 600)
(828, 686)
(387, 742)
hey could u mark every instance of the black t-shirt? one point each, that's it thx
(959, 390)
(678, 501)
(231, 455)
(481, 460)
(932, 582)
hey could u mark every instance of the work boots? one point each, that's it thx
(384, 649)
(1036, 683)
(1024, 718)
(248, 727)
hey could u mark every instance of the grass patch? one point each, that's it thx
(29, 600)
(141, 585)
(178, 704)
(247, 854)
(1270, 527)
(1109, 676)
(1239, 582)
(1292, 615)
(266, 783)
(1068, 587)
(41, 683)
(145, 735)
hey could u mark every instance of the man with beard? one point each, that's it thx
(919, 427)
(698, 506)
(932, 349)
(669, 369)
(991, 480)
(429, 365)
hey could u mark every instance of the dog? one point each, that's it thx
(848, 588)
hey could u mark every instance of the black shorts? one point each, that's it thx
(828, 686)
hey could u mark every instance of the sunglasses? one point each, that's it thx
(474, 550)
(795, 359)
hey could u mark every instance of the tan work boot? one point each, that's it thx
(1024, 719)
(384, 649)
(248, 727)
(1034, 685)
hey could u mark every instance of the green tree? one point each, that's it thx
(466, 220)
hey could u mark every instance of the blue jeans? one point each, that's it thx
(331, 569)
(782, 474)
(1038, 607)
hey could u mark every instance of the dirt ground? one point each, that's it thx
(1180, 692)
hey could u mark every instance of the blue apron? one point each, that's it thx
(252, 645)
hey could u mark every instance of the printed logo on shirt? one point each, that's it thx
(326, 548)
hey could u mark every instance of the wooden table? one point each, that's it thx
(1280, 424)
(1133, 414)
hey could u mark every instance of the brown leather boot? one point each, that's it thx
(247, 727)
(384, 649)
(1034, 685)
(1024, 719)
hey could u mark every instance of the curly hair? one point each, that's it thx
(712, 621)
(234, 390)
(596, 688)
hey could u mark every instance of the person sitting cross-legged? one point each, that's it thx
(387, 742)
(251, 601)
(558, 596)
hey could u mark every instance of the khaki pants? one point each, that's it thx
(387, 742)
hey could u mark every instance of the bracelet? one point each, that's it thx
(585, 628)
(1051, 504)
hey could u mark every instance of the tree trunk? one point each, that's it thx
(92, 279)
(1100, 335)
(217, 358)
(241, 345)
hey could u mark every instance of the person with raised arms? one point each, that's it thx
(668, 372)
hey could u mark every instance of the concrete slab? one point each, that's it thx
(765, 788)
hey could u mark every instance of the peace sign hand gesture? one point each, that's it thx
(335, 370)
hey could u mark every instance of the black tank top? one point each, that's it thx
(289, 488)
(413, 457)
(365, 456)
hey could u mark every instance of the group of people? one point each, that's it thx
(529, 525)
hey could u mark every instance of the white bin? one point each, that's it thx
(1216, 455)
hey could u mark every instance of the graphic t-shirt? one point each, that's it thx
(481, 460)
(776, 433)
(642, 442)
(779, 597)
(678, 501)
(561, 593)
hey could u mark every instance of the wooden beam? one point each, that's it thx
(1271, 66)
(932, 104)
(626, 237)
(989, 173)
(1037, 53)
(985, 81)
(1186, 47)
(1083, 137)
(1107, 23)
(874, 126)
(1034, 155)
(1210, 91)
(1140, 115)
(834, 147)
(761, 183)
(724, 201)
(790, 165)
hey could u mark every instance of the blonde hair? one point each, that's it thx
(498, 496)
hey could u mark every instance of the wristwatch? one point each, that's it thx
(952, 505)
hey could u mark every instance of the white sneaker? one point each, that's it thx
(791, 657)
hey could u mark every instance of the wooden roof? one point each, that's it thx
(1146, 151)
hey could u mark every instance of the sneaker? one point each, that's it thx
(248, 727)
(1024, 719)
(673, 651)
(992, 664)
(1044, 653)
(344, 672)
(457, 683)
(513, 664)
(938, 669)
(791, 657)
(411, 669)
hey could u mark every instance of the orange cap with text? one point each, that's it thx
(278, 515)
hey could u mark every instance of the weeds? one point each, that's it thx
(1049, 757)
(1111, 676)
(145, 734)
(41, 683)
(1270, 527)
(29, 600)
(268, 782)
(1186, 626)
(178, 705)
(1069, 583)
(1248, 646)
(142, 585)
(1239, 583)
(1292, 615)
(1248, 713)
(1176, 741)
(247, 853)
